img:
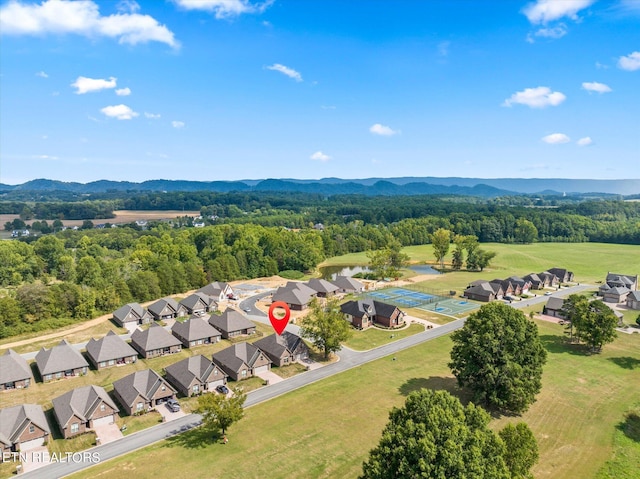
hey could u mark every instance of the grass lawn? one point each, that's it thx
(431, 316)
(626, 452)
(138, 423)
(289, 371)
(338, 420)
(373, 337)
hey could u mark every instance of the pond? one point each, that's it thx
(423, 269)
(331, 272)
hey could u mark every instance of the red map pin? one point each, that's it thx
(279, 323)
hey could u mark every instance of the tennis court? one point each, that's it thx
(408, 298)
(451, 306)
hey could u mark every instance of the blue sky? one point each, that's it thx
(232, 89)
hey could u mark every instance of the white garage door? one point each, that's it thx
(212, 385)
(261, 369)
(27, 445)
(103, 421)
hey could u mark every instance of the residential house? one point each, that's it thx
(15, 373)
(554, 307)
(484, 291)
(283, 349)
(198, 304)
(142, 391)
(296, 295)
(617, 294)
(194, 332)
(615, 280)
(110, 351)
(563, 275)
(195, 375)
(363, 313)
(322, 287)
(242, 360)
(550, 280)
(231, 324)
(155, 341)
(346, 284)
(81, 410)
(166, 308)
(22, 428)
(131, 313)
(633, 300)
(525, 285)
(509, 288)
(61, 361)
(218, 290)
(535, 280)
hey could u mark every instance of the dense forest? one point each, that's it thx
(71, 275)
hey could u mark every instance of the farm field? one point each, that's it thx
(338, 420)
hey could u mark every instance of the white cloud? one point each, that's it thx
(556, 138)
(152, 116)
(121, 112)
(45, 157)
(544, 11)
(127, 6)
(596, 87)
(319, 156)
(443, 48)
(382, 130)
(42, 75)
(631, 62)
(86, 85)
(558, 31)
(225, 8)
(586, 141)
(539, 97)
(290, 72)
(81, 17)
(123, 91)
(177, 124)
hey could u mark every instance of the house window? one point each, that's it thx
(75, 427)
(163, 388)
(103, 364)
(32, 429)
(196, 388)
(102, 407)
(244, 373)
(112, 362)
(139, 406)
(58, 375)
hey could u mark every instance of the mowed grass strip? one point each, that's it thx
(373, 337)
(325, 430)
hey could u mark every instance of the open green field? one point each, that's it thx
(373, 337)
(327, 428)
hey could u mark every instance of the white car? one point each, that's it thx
(548, 293)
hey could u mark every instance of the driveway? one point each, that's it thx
(35, 458)
(168, 415)
(107, 433)
(269, 376)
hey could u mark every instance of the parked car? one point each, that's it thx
(173, 405)
(246, 310)
(222, 389)
(548, 293)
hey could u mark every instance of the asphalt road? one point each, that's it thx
(348, 360)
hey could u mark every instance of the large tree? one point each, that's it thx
(325, 326)
(594, 322)
(387, 262)
(525, 231)
(435, 436)
(499, 356)
(521, 450)
(219, 412)
(440, 240)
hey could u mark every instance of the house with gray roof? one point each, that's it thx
(23, 428)
(549, 279)
(231, 323)
(218, 290)
(296, 295)
(195, 331)
(131, 313)
(154, 342)
(15, 373)
(617, 287)
(109, 351)
(166, 308)
(61, 361)
(347, 284)
(484, 291)
(616, 294)
(242, 361)
(633, 300)
(142, 391)
(554, 307)
(198, 304)
(283, 349)
(322, 287)
(364, 313)
(81, 410)
(195, 375)
(535, 280)
(563, 275)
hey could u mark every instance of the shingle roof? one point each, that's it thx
(234, 356)
(81, 402)
(230, 321)
(372, 308)
(276, 344)
(157, 307)
(198, 367)
(555, 303)
(121, 313)
(194, 328)
(625, 279)
(291, 296)
(110, 347)
(634, 295)
(62, 357)
(214, 289)
(618, 290)
(322, 285)
(14, 419)
(156, 337)
(347, 283)
(13, 367)
(483, 289)
(144, 383)
(192, 301)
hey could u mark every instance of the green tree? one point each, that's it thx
(521, 450)
(325, 326)
(499, 356)
(574, 309)
(387, 262)
(440, 240)
(638, 320)
(434, 436)
(525, 231)
(219, 412)
(458, 253)
(598, 326)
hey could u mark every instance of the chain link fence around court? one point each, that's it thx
(428, 299)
